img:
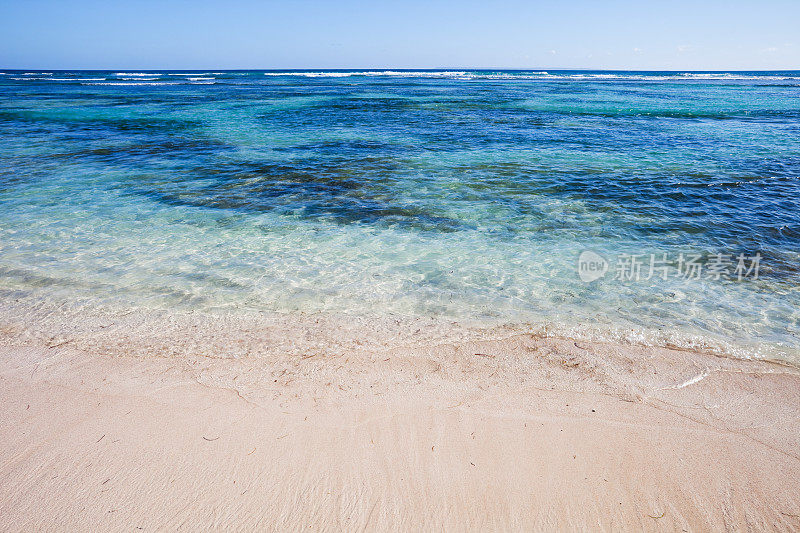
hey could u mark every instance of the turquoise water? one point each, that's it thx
(464, 195)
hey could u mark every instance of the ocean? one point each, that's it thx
(658, 208)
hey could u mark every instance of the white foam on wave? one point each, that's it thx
(312, 74)
(38, 78)
(149, 83)
(453, 74)
(533, 75)
(133, 84)
(198, 78)
(445, 74)
(681, 339)
(409, 74)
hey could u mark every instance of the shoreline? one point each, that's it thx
(232, 334)
(321, 431)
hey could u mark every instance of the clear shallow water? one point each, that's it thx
(466, 195)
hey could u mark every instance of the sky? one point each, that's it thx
(305, 34)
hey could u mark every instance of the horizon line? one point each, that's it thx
(408, 69)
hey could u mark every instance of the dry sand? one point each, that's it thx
(462, 433)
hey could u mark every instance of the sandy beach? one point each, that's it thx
(517, 432)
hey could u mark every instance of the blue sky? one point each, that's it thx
(168, 34)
